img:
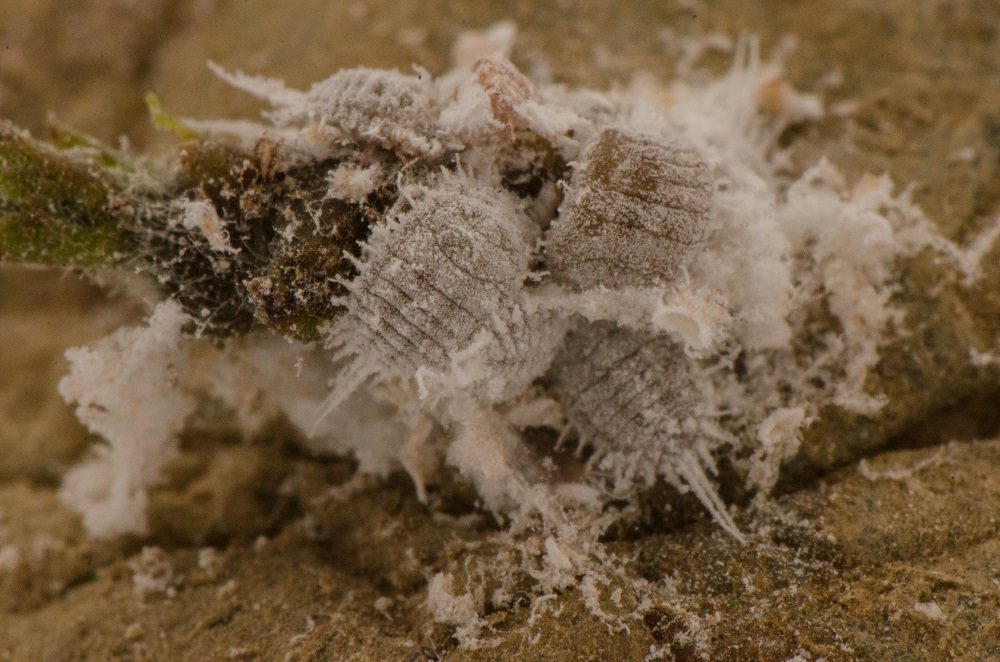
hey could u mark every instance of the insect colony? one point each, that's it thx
(630, 270)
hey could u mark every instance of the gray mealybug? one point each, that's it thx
(436, 296)
(632, 396)
(385, 108)
(635, 209)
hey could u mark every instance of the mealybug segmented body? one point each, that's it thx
(385, 108)
(436, 296)
(631, 395)
(635, 209)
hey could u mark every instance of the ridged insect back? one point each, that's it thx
(446, 263)
(635, 209)
(436, 291)
(386, 108)
(631, 396)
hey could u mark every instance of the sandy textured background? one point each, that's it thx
(847, 559)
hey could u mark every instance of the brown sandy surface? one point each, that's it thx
(844, 567)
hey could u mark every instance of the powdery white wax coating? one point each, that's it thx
(509, 355)
(635, 209)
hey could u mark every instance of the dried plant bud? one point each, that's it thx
(507, 88)
(294, 292)
(634, 211)
(447, 266)
(252, 240)
(385, 108)
(632, 396)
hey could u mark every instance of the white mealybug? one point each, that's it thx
(385, 108)
(635, 209)
(631, 395)
(436, 298)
